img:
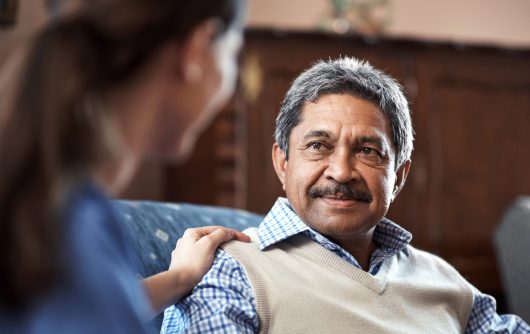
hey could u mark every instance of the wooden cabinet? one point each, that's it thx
(471, 114)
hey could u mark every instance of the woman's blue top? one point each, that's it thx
(101, 292)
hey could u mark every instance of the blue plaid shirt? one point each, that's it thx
(224, 301)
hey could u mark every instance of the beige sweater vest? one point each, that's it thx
(301, 287)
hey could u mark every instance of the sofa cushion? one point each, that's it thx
(153, 228)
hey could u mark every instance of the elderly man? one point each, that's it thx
(326, 260)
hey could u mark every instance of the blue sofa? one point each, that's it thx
(153, 228)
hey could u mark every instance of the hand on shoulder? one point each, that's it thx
(194, 252)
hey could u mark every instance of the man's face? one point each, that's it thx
(340, 175)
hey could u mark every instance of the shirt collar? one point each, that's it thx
(279, 224)
(282, 222)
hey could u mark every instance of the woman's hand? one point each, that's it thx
(194, 253)
(190, 260)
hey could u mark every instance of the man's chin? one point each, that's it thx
(340, 216)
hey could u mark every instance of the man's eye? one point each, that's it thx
(316, 146)
(368, 155)
(368, 151)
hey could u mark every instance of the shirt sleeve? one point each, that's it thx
(223, 302)
(484, 317)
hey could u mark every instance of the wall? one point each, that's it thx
(500, 22)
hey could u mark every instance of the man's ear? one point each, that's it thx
(195, 49)
(401, 177)
(279, 160)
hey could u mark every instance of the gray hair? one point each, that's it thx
(350, 76)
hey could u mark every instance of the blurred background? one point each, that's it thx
(465, 66)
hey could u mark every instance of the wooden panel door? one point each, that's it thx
(474, 128)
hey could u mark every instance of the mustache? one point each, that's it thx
(345, 191)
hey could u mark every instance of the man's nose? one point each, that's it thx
(341, 167)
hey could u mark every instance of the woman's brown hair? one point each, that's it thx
(56, 131)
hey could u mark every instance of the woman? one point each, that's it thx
(114, 83)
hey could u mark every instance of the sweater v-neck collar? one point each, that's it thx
(305, 247)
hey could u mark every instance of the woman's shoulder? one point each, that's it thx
(93, 231)
(88, 211)
(86, 200)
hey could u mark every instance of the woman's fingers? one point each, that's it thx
(214, 239)
(200, 232)
(241, 236)
(194, 252)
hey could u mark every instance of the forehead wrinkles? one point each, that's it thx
(318, 128)
(329, 122)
